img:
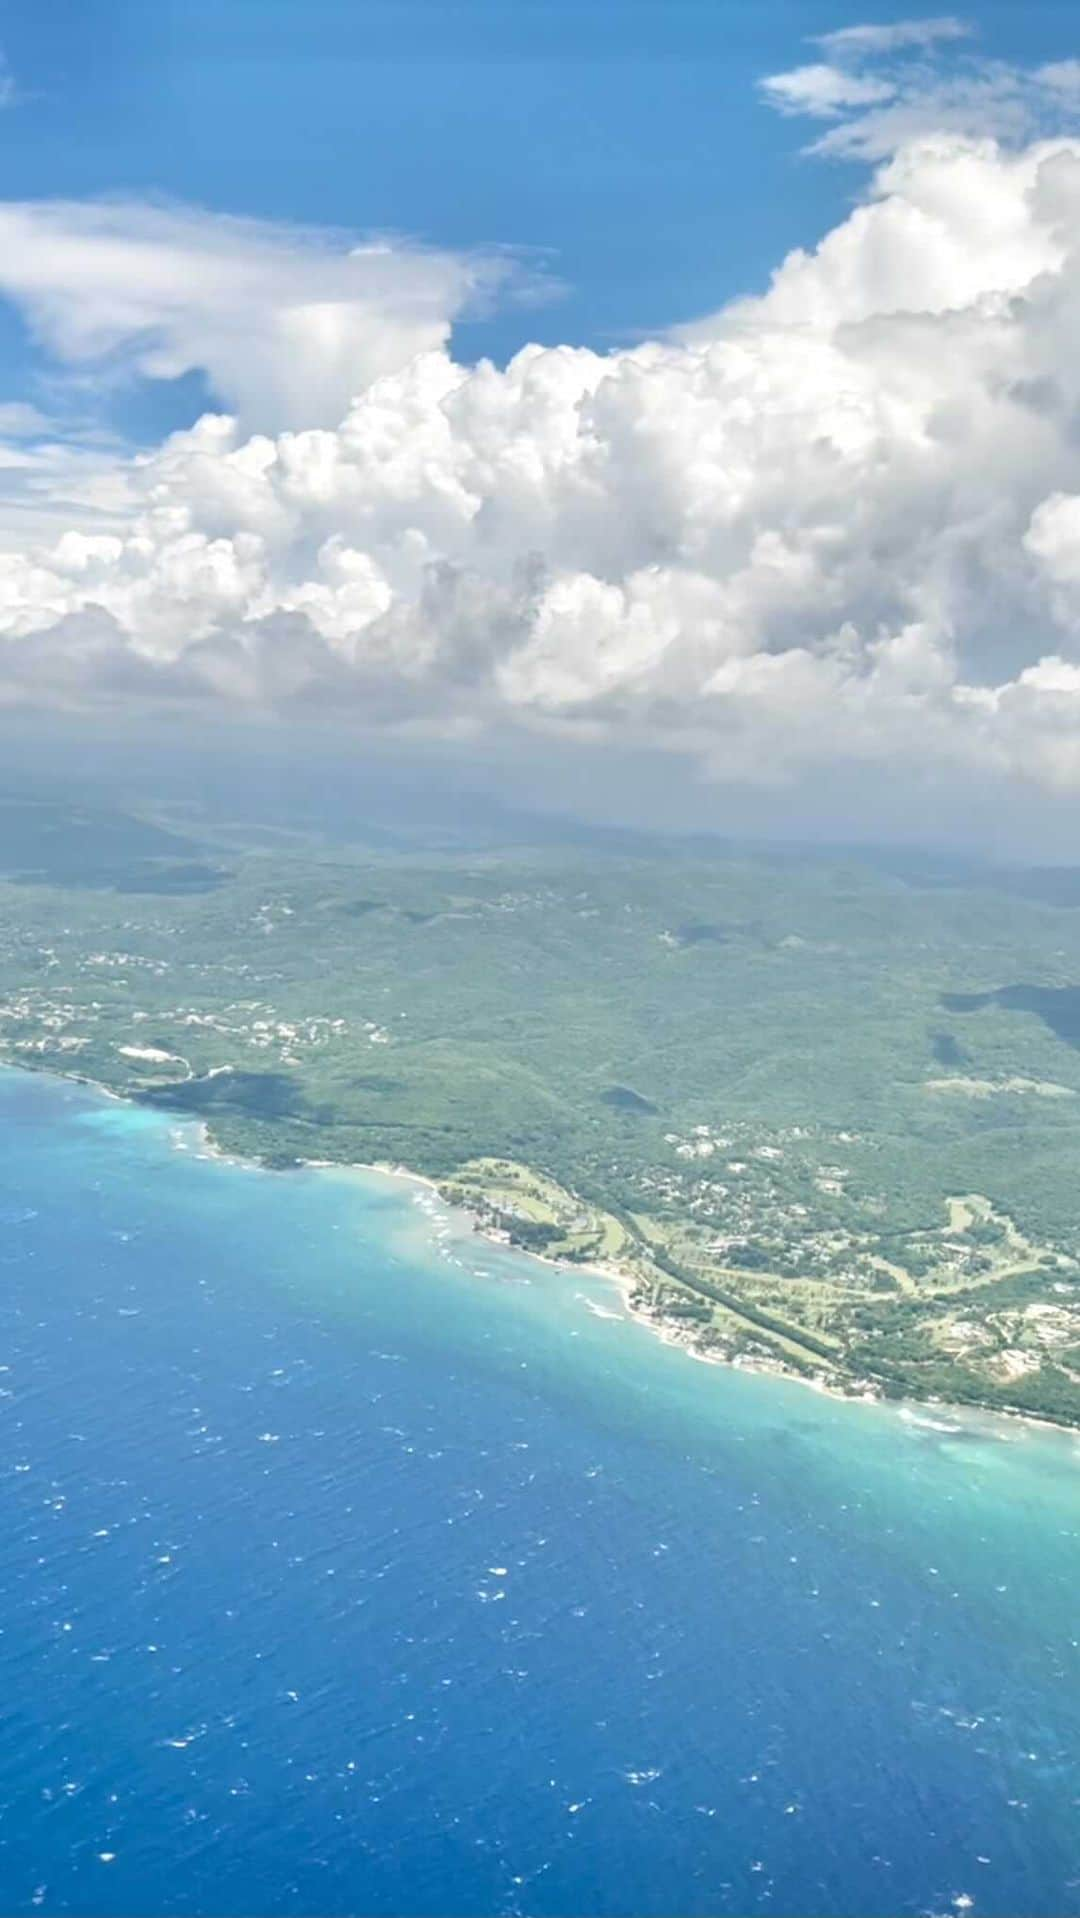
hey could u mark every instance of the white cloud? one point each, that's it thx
(20, 421)
(882, 87)
(841, 87)
(287, 324)
(823, 91)
(1063, 77)
(833, 527)
(859, 43)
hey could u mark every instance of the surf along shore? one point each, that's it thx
(635, 1302)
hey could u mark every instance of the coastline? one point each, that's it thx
(667, 1330)
(672, 1333)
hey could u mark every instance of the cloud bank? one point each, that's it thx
(836, 525)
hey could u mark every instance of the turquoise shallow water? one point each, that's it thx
(350, 1565)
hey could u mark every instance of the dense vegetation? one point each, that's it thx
(824, 1110)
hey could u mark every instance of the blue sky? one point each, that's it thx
(624, 140)
(783, 496)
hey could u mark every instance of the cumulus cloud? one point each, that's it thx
(287, 324)
(833, 526)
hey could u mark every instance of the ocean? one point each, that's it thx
(352, 1565)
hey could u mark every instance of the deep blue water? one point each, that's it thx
(352, 1566)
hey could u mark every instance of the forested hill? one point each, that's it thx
(826, 1109)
